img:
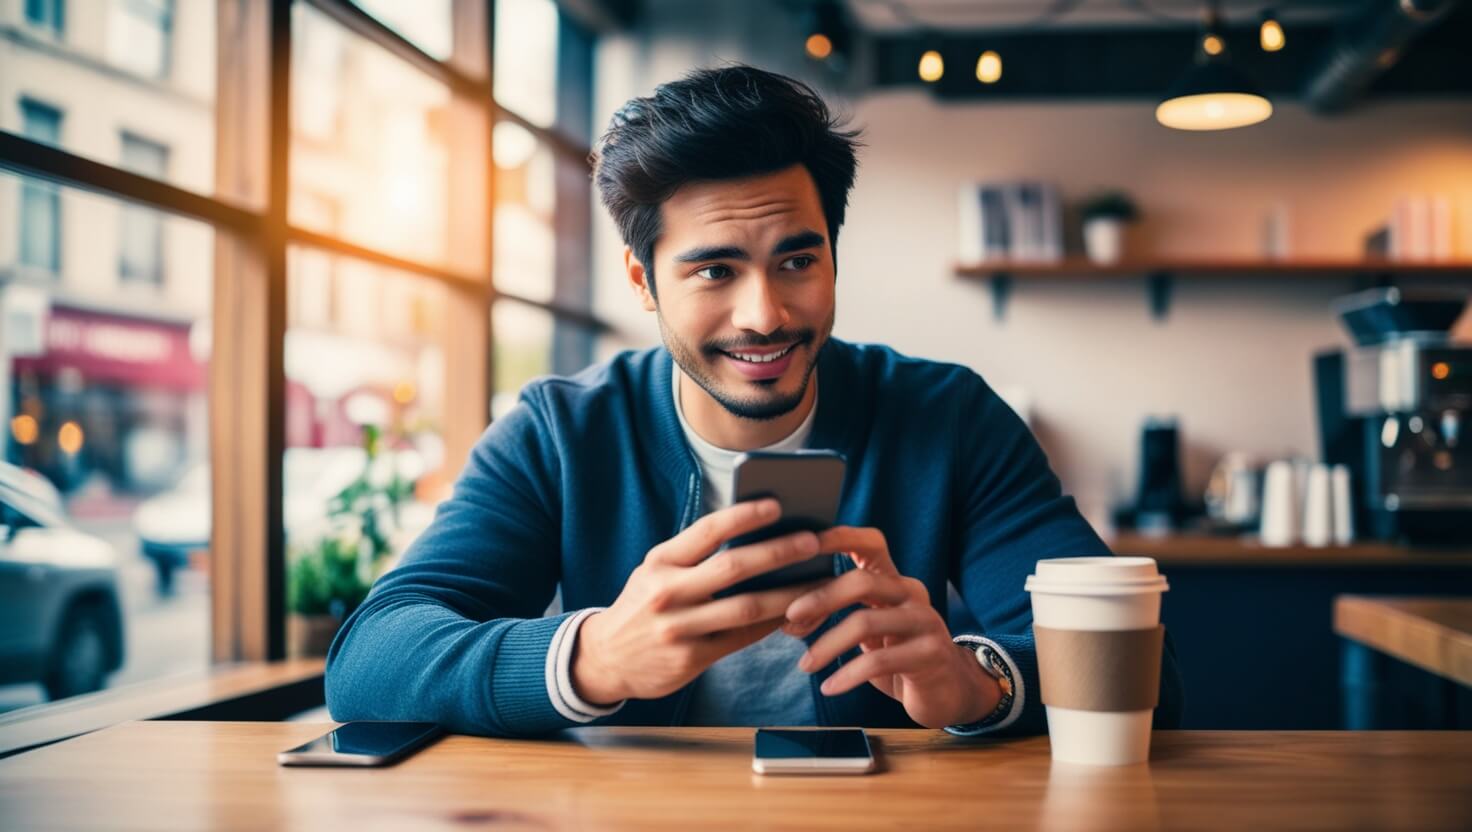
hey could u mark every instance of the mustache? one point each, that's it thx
(776, 339)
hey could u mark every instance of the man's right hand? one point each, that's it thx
(664, 629)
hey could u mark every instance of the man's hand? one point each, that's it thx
(908, 651)
(663, 630)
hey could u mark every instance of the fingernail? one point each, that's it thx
(806, 661)
(826, 687)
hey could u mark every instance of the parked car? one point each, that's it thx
(61, 621)
(176, 524)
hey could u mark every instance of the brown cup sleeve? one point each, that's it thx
(1100, 670)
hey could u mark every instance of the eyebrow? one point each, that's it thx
(795, 242)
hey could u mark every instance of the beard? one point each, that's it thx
(763, 403)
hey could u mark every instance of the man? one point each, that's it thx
(729, 189)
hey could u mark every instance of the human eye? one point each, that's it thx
(715, 271)
(799, 263)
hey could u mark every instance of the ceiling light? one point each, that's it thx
(819, 46)
(1213, 94)
(932, 66)
(1270, 33)
(989, 67)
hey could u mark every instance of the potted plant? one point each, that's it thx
(327, 578)
(1105, 215)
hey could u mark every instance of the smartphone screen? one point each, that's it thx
(777, 744)
(362, 744)
(813, 751)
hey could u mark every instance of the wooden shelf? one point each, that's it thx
(1161, 274)
(1083, 268)
(1211, 550)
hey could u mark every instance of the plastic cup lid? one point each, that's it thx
(1093, 575)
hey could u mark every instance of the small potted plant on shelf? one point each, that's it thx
(328, 577)
(1105, 215)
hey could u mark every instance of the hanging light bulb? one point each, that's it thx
(1213, 94)
(827, 34)
(932, 66)
(1270, 33)
(818, 46)
(989, 67)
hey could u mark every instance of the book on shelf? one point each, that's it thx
(1009, 221)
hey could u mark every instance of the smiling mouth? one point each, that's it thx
(761, 358)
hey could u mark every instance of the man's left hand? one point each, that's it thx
(908, 651)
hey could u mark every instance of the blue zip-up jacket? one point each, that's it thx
(586, 474)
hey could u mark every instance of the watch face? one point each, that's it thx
(993, 664)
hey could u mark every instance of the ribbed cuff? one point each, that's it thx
(519, 693)
(559, 673)
(993, 722)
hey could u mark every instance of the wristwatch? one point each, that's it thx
(991, 661)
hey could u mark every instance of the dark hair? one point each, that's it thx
(725, 123)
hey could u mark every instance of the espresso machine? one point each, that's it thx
(1396, 408)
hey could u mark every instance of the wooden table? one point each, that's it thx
(1434, 634)
(222, 775)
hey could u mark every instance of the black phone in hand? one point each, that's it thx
(808, 485)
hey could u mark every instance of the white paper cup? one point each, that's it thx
(1097, 594)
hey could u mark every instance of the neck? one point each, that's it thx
(720, 427)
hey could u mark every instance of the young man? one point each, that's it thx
(729, 188)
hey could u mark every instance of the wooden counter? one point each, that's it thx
(1435, 634)
(1217, 550)
(209, 775)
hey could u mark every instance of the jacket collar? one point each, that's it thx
(834, 428)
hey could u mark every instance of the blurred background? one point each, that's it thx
(267, 268)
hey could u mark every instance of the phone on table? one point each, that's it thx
(808, 484)
(812, 751)
(362, 744)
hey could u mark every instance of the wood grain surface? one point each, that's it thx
(202, 775)
(1434, 634)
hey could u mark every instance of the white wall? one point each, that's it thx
(1232, 361)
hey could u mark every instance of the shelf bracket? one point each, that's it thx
(1001, 293)
(1160, 285)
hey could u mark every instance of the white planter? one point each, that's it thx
(1104, 239)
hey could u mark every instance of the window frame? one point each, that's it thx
(249, 213)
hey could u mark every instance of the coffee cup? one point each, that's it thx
(1096, 623)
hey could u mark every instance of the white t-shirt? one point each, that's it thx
(760, 685)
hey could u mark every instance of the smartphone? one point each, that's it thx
(808, 484)
(812, 751)
(362, 744)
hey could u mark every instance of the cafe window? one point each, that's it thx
(526, 59)
(104, 403)
(360, 332)
(373, 132)
(141, 236)
(425, 23)
(40, 202)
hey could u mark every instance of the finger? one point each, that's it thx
(857, 586)
(733, 566)
(864, 625)
(866, 545)
(731, 613)
(906, 657)
(707, 534)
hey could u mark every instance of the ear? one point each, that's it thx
(638, 280)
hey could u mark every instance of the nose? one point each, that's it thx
(758, 306)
